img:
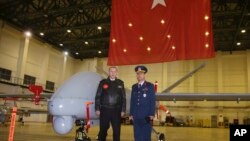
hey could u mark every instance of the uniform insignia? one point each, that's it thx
(105, 86)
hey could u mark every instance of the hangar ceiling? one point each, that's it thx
(82, 27)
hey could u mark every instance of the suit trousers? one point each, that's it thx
(107, 116)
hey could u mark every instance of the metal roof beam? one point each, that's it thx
(244, 12)
(63, 10)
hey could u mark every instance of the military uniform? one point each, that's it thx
(110, 100)
(141, 107)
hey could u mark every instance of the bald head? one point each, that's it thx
(113, 71)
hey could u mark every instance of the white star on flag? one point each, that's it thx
(156, 2)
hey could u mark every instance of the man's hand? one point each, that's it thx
(151, 117)
(122, 114)
(97, 113)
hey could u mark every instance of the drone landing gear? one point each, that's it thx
(81, 133)
(160, 136)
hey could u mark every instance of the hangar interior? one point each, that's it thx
(82, 29)
(226, 73)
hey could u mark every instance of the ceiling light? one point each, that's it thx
(243, 31)
(61, 45)
(206, 17)
(41, 33)
(99, 52)
(130, 24)
(162, 21)
(113, 40)
(77, 53)
(148, 48)
(27, 33)
(141, 38)
(80, 11)
(68, 30)
(66, 53)
(86, 43)
(124, 50)
(173, 47)
(238, 43)
(99, 27)
(169, 36)
(206, 45)
(206, 33)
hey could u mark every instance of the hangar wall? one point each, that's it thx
(224, 73)
(28, 56)
(23, 55)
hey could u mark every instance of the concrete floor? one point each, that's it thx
(44, 132)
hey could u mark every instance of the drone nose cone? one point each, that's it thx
(56, 106)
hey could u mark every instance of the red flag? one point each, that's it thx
(153, 31)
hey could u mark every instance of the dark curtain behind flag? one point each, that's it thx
(153, 31)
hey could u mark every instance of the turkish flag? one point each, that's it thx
(153, 31)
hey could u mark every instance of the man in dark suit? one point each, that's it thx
(142, 106)
(110, 104)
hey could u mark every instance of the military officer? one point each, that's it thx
(110, 104)
(142, 106)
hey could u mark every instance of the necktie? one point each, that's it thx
(139, 86)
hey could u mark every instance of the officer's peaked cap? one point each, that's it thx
(141, 69)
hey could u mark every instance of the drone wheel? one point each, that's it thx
(161, 137)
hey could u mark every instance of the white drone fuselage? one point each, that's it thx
(68, 103)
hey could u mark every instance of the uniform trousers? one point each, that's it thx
(142, 130)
